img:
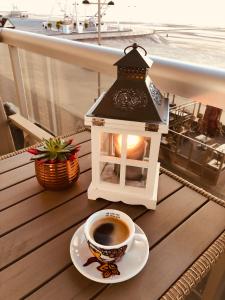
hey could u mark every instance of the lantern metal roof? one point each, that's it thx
(132, 97)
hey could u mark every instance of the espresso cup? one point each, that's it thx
(110, 234)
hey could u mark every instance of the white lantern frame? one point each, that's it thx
(147, 195)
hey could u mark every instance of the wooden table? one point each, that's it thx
(36, 227)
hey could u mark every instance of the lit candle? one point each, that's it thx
(135, 146)
(135, 150)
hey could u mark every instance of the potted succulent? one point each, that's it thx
(56, 163)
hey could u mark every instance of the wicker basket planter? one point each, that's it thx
(58, 175)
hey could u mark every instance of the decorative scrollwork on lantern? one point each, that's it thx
(155, 94)
(129, 99)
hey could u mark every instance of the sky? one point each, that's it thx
(199, 12)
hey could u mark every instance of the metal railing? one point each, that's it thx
(200, 83)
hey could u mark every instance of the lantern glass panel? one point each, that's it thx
(138, 147)
(136, 176)
(110, 172)
(108, 145)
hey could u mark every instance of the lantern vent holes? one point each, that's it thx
(132, 73)
(129, 99)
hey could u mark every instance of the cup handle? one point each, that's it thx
(140, 237)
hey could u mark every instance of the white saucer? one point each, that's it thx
(130, 265)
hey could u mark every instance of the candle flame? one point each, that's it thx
(132, 141)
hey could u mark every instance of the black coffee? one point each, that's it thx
(109, 231)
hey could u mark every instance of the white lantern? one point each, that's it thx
(126, 127)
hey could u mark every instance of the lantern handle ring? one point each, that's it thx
(135, 46)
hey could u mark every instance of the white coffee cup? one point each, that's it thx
(110, 253)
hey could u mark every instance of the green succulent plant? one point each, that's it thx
(55, 150)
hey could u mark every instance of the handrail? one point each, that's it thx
(93, 57)
(196, 82)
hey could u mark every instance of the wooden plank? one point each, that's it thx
(36, 268)
(24, 239)
(81, 137)
(167, 186)
(33, 206)
(85, 148)
(33, 234)
(19, 192)
(83, 289)
(170, 258)
(173, 212)
(71, 280)
(30, 187)
(170, 213)
(15, 176)
(14, 162)
(38, 204)
(24, 158)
